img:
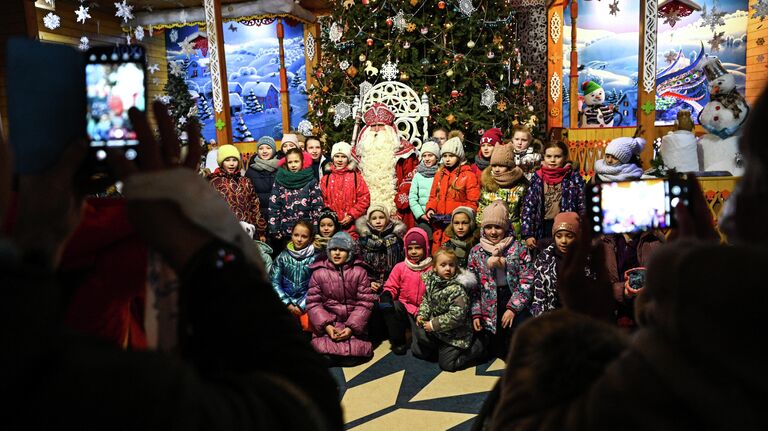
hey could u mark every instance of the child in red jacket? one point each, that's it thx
(404, 288)
(344, 189)
(455, 185)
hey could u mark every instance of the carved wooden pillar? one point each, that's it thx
(283, 79)
(555, 65)
(574, 75)
(218, 68)
(646, 76)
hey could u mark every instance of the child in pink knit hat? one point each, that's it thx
(564, 232)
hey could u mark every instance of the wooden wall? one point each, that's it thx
(14, 21)
(757, 71)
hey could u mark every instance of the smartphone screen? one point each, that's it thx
(115, 82)
(633, 206)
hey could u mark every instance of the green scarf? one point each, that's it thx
(294, 180)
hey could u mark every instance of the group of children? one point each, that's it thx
(475, 265)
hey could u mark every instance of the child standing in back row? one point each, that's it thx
(503, 181)
(527, 155)
(421, 185)
(344, 189)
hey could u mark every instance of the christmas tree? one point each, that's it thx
(180, 101)
(463, 54)
(243, 134)
(252, 105)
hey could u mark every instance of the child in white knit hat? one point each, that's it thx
(621, 161)
(421, 185)
(344, 189)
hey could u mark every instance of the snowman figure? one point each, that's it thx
(594, 112)
(722, 117)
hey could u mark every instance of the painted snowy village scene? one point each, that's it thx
(253, 70)
(608, 55)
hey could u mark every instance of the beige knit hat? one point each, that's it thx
(496, 214)
(503, 155)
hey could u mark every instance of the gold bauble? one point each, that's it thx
(352, 71)
(450, 119)
(449, 73)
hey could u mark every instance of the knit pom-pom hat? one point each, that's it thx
(625, 147)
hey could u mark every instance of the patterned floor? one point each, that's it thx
(393, 393)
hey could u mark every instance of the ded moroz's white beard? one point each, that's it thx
(377, 165)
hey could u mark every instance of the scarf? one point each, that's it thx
(294, 180)
(507, 179)
(420, 266)
(426, 172)
(320, 242)
(481, 162)
(258, 164)
(622, 172)
(460, 248)
(496, 251)
(553, 176)
(302, 254)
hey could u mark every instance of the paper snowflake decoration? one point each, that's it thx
(153, 68)
(138, 33)
(51, 21)
(82, 14)
(124, 11)
(344, 65)
(488, 97)
(182, 121)
(335, 33)
(399, 21)
(716, 41)
(163, 99)
(51, 2)
(155, 80)
(614, 7)
(305, 127)
(343, 111)
(670, 57)
(466, 7)
(671, 18)
(84, 43)
(389, 71)
(760, 58)
(176, 69)
(712, 19)
(173, 36)
(365, 87)
(760, 9)
(187, 47)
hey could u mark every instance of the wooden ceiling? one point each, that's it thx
(318, 7)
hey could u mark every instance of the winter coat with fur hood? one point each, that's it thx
(461, 247)
(405, 284)
(345, 192)
(381, 251)
(290, 275)
(484, 296)
(512, 196)
(446, 306)
(532, 217)
(340, 296)
(681, 370)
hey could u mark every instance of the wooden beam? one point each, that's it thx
(646, 79)
(555, 65)
(284, 101)
(218, 67)
(574, 75)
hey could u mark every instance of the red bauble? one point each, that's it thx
(441, 4)
(365, 2)
(455, 94)
(390, 22)
(369, 42)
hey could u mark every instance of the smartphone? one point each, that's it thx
(115, 81)
(635, 206)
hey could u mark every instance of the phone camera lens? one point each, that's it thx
(674, 202)
(596, 219)
(130, 154)
(596, 228)
(101, 155)
(596, 209)
(676, 190)
(114, 57)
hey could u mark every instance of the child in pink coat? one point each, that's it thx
(404, 288)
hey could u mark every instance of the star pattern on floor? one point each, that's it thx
(392, 392)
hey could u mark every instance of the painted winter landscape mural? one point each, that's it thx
(253, 76)
(608, 54)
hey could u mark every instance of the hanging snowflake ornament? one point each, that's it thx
(84, 44)
(305, 127)
(182, 120)
(389, 71)
(82, 14)
(335, 33)
(153, 68)
(674, 10)
(174, 35)
(399, 21)
(760, 9)
(466, 7)
(124, 11)
(187, 48)
(488, 97)
(127, 38)
(716, 41)
(155, 80)
(138, 33)
(343, 111)
(670, 18)
(670, 57)
(712, 19)
(365, 87)
(614, 7)
(344, 65)
(176, 69)
(51, 21)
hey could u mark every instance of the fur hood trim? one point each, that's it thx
(362, 228)
(352, 166)
(473, 239)
(487, 182)
(467, 279)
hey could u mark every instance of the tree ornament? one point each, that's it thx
(426, 88)
(466, 7)
(406, 44)
(470, 44)
(305, 127)
(454, 93)
(389, 71)
(404, 76)
(501, 106)
(335, 33)
(362, 57)
(344, 65)
(490, 54)
(352, 71)
(448, 25)
(673, 10)
(365, 2)
(441, 5)
(410, 27)
(449, 73)
(325, 88)
(365, 87)
(450, 118)
(424, 30)
(488, 97)
(369, 42)
(414, 2)
(399, 21)
(390, 21)
(342, 112)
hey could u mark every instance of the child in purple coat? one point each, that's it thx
(339, 303)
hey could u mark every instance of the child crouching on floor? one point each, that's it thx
(339, 304)
(404, 289)
(443, 326)
(290, 271)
